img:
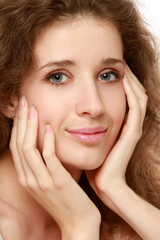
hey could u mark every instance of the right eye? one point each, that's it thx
(57, 78)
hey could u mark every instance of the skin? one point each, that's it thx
(37, 140)
(89, 101)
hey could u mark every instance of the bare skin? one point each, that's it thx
(41, 187)
(31, 222)
(107, 194)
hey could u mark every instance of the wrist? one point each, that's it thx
(86, 228)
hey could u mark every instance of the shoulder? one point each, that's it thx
(12, 200)
(11, 192)
(12, 223)
(8, 176)
(7, 188)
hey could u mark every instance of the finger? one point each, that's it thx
(130, 74)
(54, 165)
(142, 99)
(135, 81)
(22, 121)
(20, 135)
(140, 94)
(134, 114)
(130, 134)
(36, 167)
(14, 151)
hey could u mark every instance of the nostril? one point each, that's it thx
(86, 113)
(90, 102)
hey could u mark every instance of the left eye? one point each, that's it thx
(57, 78)
(108, 76)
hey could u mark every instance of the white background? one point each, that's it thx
(151, 12)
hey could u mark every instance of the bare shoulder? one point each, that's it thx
(12, 223)
(11, 191)
(12, 214)
(7, 180)
(8, 176)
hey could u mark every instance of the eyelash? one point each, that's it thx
(115, 73)
(62, 73)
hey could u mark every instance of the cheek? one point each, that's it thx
(115, 105)
(50, 107)
(50, 111)
(52, 115)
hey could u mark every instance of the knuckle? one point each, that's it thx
(22, 181)
(47, 155)
(25, 148)
(140, 134)
(137, 135)
(101, 186)
(146, 100)
(61, 182)
(12, 146)
(46, 185)
(146, 97)
(18, 142)
(31, 183)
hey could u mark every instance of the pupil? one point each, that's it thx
(105, 76)
(57, 78)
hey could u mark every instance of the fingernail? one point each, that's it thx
(48, 128)
(22, 103)
(31, 112)
(126, 79)
(13, 115)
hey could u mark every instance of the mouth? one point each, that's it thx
(88, 135)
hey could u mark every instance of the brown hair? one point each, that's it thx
(21, 21)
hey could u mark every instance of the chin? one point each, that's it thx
(80, 160)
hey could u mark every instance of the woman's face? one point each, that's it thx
(77, 89)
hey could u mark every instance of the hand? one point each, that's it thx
(109, 180)
(111, 175)
(47, 181)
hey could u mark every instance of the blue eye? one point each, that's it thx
(108, 76)
(57, 78)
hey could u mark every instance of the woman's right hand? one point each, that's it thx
(48, 182)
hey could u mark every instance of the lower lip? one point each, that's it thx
(89, 138)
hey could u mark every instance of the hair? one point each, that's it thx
(22, 21)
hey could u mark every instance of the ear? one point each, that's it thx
(11, 108)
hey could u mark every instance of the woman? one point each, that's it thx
(77, 106)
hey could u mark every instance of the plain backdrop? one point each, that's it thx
(151, 12)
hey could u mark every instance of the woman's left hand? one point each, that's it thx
(109, 180)
(112, 173)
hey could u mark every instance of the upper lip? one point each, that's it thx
(88, 130)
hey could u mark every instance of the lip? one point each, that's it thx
(88, 135)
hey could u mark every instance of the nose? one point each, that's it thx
(89, 100)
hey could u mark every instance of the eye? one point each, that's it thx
(57, 78)
(109, 76)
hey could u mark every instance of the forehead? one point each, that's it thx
(82, 37)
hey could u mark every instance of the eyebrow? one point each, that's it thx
(112, 61)
(65, 63)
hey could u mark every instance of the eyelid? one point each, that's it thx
(62, 71)
(116, 72)
(109, 70)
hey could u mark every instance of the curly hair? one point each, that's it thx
(22, 21)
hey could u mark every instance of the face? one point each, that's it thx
(77, 89)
